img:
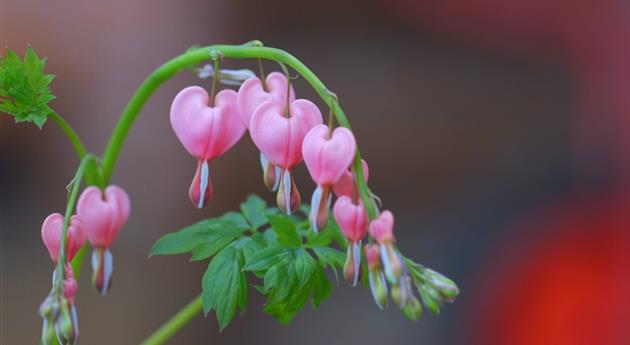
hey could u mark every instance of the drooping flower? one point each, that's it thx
(352, 220)
(252, 94)
(103, 214)
(346, 185)
(52, 229)
(378, 285)
(206, 131)
(327, 155)
(278, 132)
(382, 230)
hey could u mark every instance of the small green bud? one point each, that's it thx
(446, 287)
(431, 298)
(413, 309)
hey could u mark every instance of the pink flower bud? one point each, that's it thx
(327, 156)
(70, 287)
(252, 94)
(346, 183)
(382, 228)
(205, 131)
(103, 214)
(351, 217)
(52, 229)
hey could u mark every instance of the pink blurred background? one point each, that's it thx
(496, 130)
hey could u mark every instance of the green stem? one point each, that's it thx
(91, 173)
(175, 323)
(70, 133)
(72, 200)
(251, 50)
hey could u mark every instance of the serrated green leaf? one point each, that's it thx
(265, 258)
(304, 266)
(237, 219)
(24, 88)
(254, 211)
(330, 256)
(285, 229)
(224, 285)
(203, 239)
(322, 288)
(250, 245)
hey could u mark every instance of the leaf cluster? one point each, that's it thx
(287, 259)
(24, 87)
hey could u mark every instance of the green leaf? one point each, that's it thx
(285, 230)
(237, 219)
(265, 258)
(250, 245)
(304, 266)
(330, 256)
(24, 88)
(224, 285)
(322, 288)
(202, 239)
(254, 211)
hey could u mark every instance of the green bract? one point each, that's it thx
(24, 87)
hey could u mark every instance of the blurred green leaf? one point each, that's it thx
(322, 288)
(24, 88)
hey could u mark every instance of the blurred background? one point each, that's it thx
(497, 131)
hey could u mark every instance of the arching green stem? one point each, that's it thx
(250, 50)
(72, 200)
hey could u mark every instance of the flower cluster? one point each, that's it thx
(100, 215)
(286, 131)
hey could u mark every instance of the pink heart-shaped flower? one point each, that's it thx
(51, 235)
(345, 184)
(280, 137)
(382, 228)
(351, 218)
(252, 94)
(327, 157)
(103, 214)
(206, 132)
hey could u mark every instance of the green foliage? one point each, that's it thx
(288, 258)
(24, 87)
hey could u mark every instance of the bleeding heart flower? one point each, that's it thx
(252, 94)
(278, 133)
(352, 220)
(206, 132)
(382, 230)
(346, 184)
(51, 235)
(327, 156)
(378, 285)
(104, 215)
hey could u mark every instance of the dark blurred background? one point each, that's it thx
(497, 131)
